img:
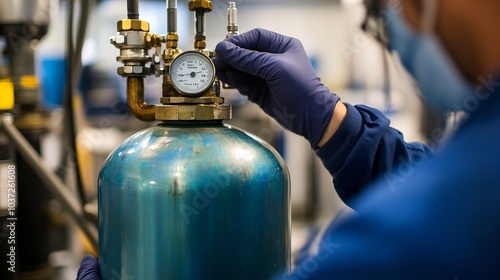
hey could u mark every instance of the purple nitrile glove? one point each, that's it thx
(275, 73)
(89, 269)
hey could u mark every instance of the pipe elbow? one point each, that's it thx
(135, 100)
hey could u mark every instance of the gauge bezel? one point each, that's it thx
(194, 94)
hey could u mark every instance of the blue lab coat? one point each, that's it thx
(419, 215)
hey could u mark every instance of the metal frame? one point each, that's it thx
(48, 177)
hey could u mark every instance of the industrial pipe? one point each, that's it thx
(54, 184)
(133, 9)
(135, 100)
(171, 16)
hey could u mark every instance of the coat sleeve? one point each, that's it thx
(364, 148)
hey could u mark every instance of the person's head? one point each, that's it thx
(467, 29)
(449, 46)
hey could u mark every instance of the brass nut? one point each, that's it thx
(172, 44)
(200, 45)
(170, 53)
(153, 40)
(172, 37)
(200, 4)
(133, 24)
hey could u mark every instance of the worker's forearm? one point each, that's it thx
(338, 116)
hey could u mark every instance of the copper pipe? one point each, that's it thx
(135, 100)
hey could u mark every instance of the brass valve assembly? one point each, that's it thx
(191, 92)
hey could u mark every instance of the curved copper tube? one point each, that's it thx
(135, 100)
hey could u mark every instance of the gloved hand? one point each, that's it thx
(275, 73)
(89, 269)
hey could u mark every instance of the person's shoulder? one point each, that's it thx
(468, 163)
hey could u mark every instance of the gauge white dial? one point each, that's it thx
(192, 73)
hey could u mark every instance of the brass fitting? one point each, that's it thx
(205, 5)
(192, 100)
(133, 24)
(137, 71)
(153, 40)
(193, 112)
(172, 40)
(200, 45)
(135, 100)
(170, 54)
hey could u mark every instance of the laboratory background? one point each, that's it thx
(63, 110)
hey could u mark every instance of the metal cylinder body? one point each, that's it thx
(194, 201)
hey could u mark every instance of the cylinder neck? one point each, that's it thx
(190, 123)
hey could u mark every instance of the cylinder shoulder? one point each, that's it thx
(195, 148)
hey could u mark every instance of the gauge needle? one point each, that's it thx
(192, 74)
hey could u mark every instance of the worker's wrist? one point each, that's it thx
(339, 113)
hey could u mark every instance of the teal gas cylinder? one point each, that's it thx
(194, 200)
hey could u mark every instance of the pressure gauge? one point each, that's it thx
(192, 73)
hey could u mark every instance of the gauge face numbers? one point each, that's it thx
(192, 73)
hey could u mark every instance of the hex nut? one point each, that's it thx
(200, 45)
(125, 70)
(133, 70)
(133, 24)
(172, 37)
(139, 70)
(200, 4)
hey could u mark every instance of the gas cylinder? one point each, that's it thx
(194, 200)
(190, 198)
